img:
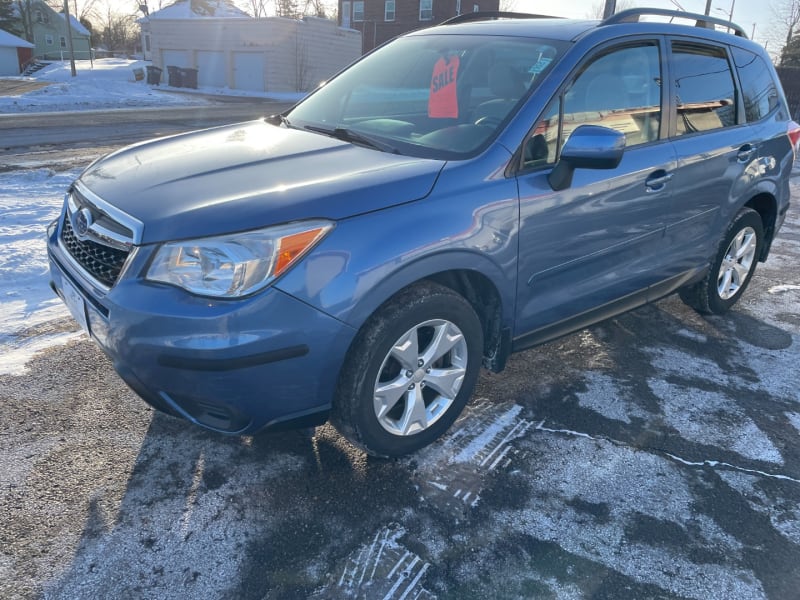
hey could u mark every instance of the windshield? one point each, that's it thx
(433, 96)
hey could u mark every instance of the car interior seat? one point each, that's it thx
(507, 88)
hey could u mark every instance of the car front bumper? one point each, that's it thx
(235, 366)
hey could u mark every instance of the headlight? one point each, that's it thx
(238, 264)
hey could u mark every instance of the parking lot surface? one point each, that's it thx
(656, 455)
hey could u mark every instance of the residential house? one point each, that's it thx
(50, 34)
(233, 50)
(14, 53)
(381, 20)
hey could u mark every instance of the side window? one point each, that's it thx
(620, 89)
(758, 88)
(704, 88)
(540, 148)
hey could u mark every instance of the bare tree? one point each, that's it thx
(598, 8)
(25, 10)
(786, 24)
(288, 8)
(259, 8)
(316, 8)
(118, 33)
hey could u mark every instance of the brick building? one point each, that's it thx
(381, 20)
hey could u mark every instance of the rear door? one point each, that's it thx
(714, 146)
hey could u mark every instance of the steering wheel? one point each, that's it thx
(489, 121)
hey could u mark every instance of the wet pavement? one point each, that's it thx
(655, 455)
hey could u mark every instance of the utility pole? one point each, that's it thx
(610, 8)
(708, 7)
(69, 38)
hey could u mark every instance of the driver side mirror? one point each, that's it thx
(589, 147)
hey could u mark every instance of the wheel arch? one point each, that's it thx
(766, 205)
(467, 276)
(485, 300)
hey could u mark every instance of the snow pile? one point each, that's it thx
(107, 83)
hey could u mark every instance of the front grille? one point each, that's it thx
(102, 262)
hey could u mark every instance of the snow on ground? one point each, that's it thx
(110, 83)
(31, 316)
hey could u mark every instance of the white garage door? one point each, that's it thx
(175, 58)
(211, 67)
(248, 71)
(9, 64)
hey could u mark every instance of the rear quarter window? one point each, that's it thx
(759, 91)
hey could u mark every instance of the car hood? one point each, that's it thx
(251, 175)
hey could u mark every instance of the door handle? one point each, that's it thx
(746, 152)
(658, 181)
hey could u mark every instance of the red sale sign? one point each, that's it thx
(443, 100)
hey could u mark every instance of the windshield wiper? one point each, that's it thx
(354, 137)
(278, 119)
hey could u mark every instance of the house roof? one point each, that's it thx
(200, 9)
(9, 39)
(77, 27)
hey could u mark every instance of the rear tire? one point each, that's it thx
(732, 269)
(410, 371)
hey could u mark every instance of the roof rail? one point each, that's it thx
(492, 14)
(632, 16)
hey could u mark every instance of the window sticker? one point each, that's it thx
(443, 99)
(540, 65)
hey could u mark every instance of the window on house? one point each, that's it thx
(389, 10)
(39, 18)
(458, 7)
(476, 8)
(345, 14)
(358, 11)
(48, 39)
(147, 43)
(63, 41)
(425, 10)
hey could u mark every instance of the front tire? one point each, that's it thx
(732, 268)
(410, 371)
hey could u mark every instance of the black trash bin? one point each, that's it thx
(175, 76)
(153, 75)
(189, 77)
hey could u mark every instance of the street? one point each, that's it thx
(23, 133)
(655, 455)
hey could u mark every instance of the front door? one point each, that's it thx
(600, 240)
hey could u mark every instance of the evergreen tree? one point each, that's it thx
(8, 18)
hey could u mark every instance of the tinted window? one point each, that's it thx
(620, 89)
(704, 88)
(758, 88)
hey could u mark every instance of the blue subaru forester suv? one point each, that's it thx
(459, 194)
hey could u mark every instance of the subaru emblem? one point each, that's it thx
(83, 221)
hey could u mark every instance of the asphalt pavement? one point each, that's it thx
(655, 455)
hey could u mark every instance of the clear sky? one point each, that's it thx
(746, 13)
